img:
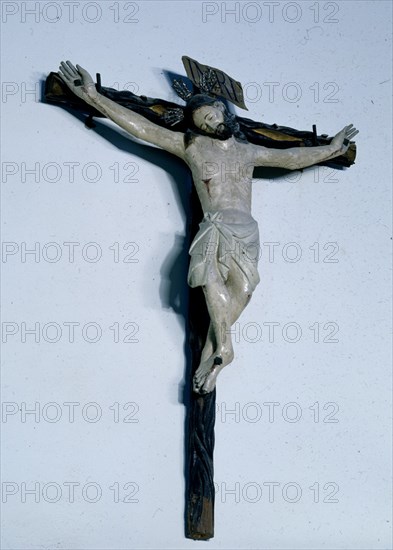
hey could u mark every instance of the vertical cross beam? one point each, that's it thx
(200, 490)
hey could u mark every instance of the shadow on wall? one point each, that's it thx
(173, 288)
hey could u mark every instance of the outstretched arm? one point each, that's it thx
(296, 158)
(81, 84)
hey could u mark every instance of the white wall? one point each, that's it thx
(330, 67)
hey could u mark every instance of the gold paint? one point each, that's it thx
(275, 134)
(159, 109)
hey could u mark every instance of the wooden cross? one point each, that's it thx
(213, 142)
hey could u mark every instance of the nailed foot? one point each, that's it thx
(206, 374)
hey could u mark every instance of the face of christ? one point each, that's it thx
(212, 119)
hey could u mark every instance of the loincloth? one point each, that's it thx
(223, 246)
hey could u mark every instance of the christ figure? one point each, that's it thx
(224, 253)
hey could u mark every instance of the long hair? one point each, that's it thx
(230, 126)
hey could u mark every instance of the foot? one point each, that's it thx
(206, 374)
(202, 372)
(210, 380)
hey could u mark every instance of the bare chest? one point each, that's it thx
(211, 159)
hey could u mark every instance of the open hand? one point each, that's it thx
(341, 140)
(78, 80)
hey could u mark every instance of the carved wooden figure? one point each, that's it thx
(221, 150)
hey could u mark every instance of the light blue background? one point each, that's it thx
(343, 52)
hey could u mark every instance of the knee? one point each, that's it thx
(245, 296)
(246, 292)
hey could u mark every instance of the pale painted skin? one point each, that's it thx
(222, 173)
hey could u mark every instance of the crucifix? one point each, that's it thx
(221, 149)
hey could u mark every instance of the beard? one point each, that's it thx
(223, 131)
(230, 127)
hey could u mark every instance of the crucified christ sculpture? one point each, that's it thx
(224, 253)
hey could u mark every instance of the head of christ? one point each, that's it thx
(207, 115)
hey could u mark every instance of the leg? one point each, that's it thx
(225, 303)
(216, 354)
(210, 344)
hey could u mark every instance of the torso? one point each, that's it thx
(222, 173)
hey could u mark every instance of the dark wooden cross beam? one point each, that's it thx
(201, 414)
